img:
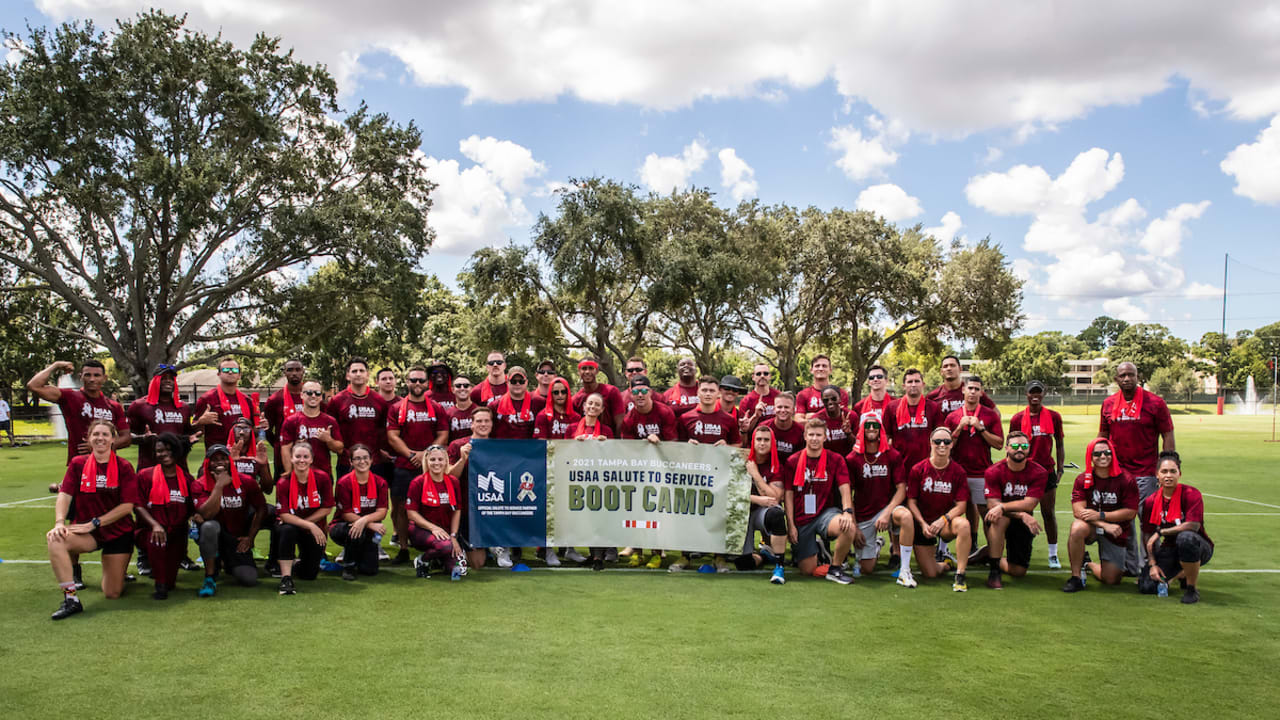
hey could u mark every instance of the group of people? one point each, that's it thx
(830, 477)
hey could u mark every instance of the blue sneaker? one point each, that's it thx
(707, 568)
(329, 566)
(777, 578)
(209, 587)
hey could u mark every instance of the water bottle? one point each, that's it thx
(193, 532)
(1162, 589)
(377, 539)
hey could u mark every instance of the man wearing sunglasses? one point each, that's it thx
(589, 375)
(637, 367)
(879, 496)
(877, 400)
(440, 384)
(1104, 501)
(543, 375)
(1044, 427)
(976, 430)
(652, 421)
(517, 410)
(757, 406)
(414, 423)
(313, 426)
(282, 404)
(160, 411)
(495, 382)
(937, 495)
(218, 409)
(1013, 487)
(361, 415)
(463, 408)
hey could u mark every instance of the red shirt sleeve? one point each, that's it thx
(414, 494)
(1077, 490)
(381, 502)
(841, 469)
(128, 483)
(253, 493)
(1164, 421)
(1130, 495)
(1192, 505)
(991, 482)
(542, 427)
(334, 429)
(289, 431)
(616, 406)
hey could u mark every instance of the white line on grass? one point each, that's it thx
(23, 502)
(1251, 502)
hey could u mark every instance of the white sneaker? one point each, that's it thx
(341, 556)
(551, 558)
(677, 566)
(573, 556)
(502, 556)
(879, 543)
(905, 578)
(1053, 563)
(611, 555)
(722, 566)
(382, 555)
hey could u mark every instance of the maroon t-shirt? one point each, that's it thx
(1042, 444)
(629, 403)
(455, 450)
(825, 491)
(660, 421)
(838, 441)
(870, 407)
(809, 400)
(950, 400)
(162, 418)
(1191, 504)
(87, 506)
(460, 421)
(614, 407)
(284, 497)
(233, 512)
(276, 410)
(480, 397)
(173, 514)
(599, 429)
(937, 491)
(300, 427)
(215, 433)
(970, 449)
(753, 398)
(443, 397)
(362, 420)
(440, 515)
(422, 421)
(790, 441)
(556, 426)
(709, 428)
(516, 422)
(909, 437)
(345, 503)
(682, 399)
(875, 479)
(1136, 440)
(1001, 483)
(1116, 492)
(78, 410)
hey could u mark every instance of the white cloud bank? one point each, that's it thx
(476, 206)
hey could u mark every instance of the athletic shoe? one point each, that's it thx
(767, 553)
(77, 575)
(421, 568)
(401, 558)
(778, 578)
(993, 582)
(395, 539)
(721, 565)
(382, 554)
(130, 577)
(189, 565)
(551, 558)
(636, 560)
(959, 584)
(949, 563)
(894, 561)
(879, 543)
(456, 573)
(209, 587)
(286, 586)
(1073, 585)
(502, 555)
(597, 564)
(677, 566)
(836, 575)
(1191, 596)
(944, 555)
(905, 578)
(611, 555)
(1054, 564)
(329, 566)
(1084, 569)
(655, 562)
(272, 568)
(144, 567)
(341, 556)
(627, 552)
(161, 592)
(348, 573)
(70, 606)
(573, 556)
(979, 555)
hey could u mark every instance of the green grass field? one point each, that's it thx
(643, 643)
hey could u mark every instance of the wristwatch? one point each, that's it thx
(848, 510)
(96, 522)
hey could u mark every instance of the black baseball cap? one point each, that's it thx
(639, 380)
(1035, 386)
(215, 449)
(732, 382)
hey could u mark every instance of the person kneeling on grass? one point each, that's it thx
(814, 513)
(1104, 501)
(304, 498)
(230, 509)
(105, 492)
(166, 492)
(1013, 487)
(938, 494)
(879, 489)
(361, 498)
(434, 514)
(765, 470)
(1173, 529)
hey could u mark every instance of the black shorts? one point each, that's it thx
(919, 538)
(1017, 543)
(400, 483)
(122, 545)
(1052, 483)
(385, 470)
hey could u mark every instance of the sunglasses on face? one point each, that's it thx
(229, 371)
(165, 368)
(1102, 453)
(517, 380)
(416, 381)
(545, 371)
(462, 386)
(764, 373)
(635, 369)
(1019, 446)
(942, 441)
(435, 447)
(495, 363)
(559, 392)
(640, 391)
(312, 393)
(877, 376)
(361, 459)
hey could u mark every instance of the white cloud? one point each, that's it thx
(478, 206)
(1256, 166)
(993, 155)
(890, 201)
(946, 230)
(736, 175)
(1022, 65)
(863, 156)
(1124, 309)
(662, 173)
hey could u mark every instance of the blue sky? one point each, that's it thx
(1165, 114)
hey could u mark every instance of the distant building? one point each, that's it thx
(1080, 375)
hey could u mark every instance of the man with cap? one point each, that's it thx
(230, 509)
(517, 410)
(652, 421)
(495, 383)
(544, 374)
(635, 367)
(683, 396)
(1044, 427)
(731, 390)
(440, 384)
(879, 498)
(161, 411)
(614, 408)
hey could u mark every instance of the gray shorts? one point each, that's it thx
(868, 529)
(1108, 551)
(978, 491)
(806, 545)
(755, 523)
